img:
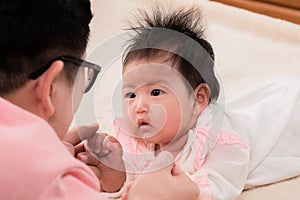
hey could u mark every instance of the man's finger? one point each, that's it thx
(163, 160)
(70, 147)
(88, 158)
(176, 171)
(79, 148)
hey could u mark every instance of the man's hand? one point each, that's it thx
(163, 183)
(104, 156)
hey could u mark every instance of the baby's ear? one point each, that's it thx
(202, 95)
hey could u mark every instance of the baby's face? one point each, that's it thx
(157, 105)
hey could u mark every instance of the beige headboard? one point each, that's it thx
(283, 9)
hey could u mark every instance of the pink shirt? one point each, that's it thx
(35, 164)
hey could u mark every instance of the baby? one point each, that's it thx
(169, 98)
(168, 82)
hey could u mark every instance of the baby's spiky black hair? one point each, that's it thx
(179, 35)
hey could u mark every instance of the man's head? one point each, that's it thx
(32, 34)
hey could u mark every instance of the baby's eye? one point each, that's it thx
(156, 92)
(130, 95)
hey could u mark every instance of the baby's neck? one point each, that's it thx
(174, 147)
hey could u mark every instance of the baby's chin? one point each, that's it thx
(147, 136)
(156, 139)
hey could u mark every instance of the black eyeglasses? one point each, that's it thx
(91, 70)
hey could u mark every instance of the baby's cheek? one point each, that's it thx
(128, 116)
(126, 109)
(174, 120)
(130, 119)
(158, 116)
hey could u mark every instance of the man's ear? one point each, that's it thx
(202, 95)
(44, 88)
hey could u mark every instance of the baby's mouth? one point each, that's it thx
(142, 123)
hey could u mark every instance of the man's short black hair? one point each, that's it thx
(33, 32)
(179, 34)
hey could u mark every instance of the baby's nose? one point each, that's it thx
(142, 105)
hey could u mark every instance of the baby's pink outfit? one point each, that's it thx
(222, 160)
(251, 140)
(35, 164)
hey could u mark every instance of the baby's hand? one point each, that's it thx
(106, 149)
(72, 139)
(106, 155)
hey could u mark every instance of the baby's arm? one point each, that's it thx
(224, 173)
